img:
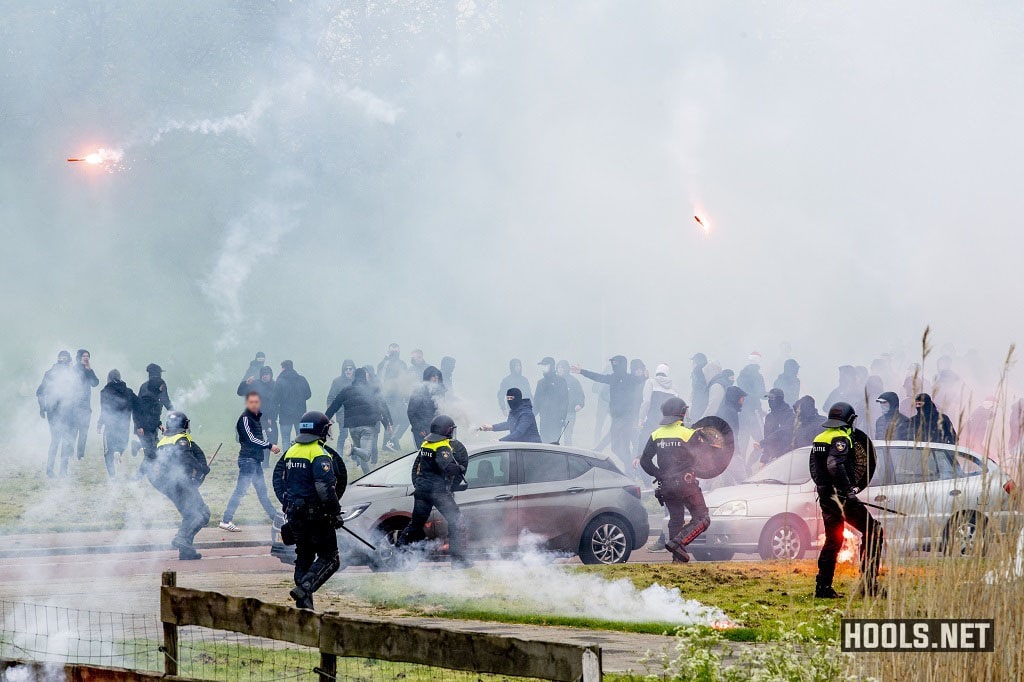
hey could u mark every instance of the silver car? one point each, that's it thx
(556, 498)
(930, 496)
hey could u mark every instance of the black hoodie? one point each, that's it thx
(292, 391)
(892, 425)
(730, 408)
(341, 381)
(929, 425)
(779, 430)
(808, 421)
(117, 404)
(622, 388)
(363, 406)
(425, 401)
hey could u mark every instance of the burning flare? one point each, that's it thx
(99, 156)
(702, 220)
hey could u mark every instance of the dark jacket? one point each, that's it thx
(448, 371)
(340, 382)
(251, 440)
(893, 425)
(552, 398)
(929, 425)
(117, 405)
(751, 382)
(439, 466)
(779, 431)
(808, 421)
(268, 397)
(86, 380)
(698, 390)
(56, 392)
(393, 375)
(292, 393)
(152, 399)
(730, 408)
(521, 424)
(577, 398)
(623, 388)
(789, 382)
(424, 403)
(254, 370)
(362, 404)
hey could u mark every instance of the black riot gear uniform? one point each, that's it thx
(437, 472)
(678, 488)
(832, 470)
(177, 470)
(309, 481)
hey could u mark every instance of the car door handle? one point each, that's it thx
(954, 492)
(575, 489)
(503, 498)
(881, 498)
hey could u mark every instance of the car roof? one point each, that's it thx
(546, 447)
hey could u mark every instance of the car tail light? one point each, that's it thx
(1010, 486)
(633, 490)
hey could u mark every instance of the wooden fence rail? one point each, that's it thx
(335, 635)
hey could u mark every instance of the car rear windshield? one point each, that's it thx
(792, 468)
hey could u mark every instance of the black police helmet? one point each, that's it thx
(840, 415)
(441, 427)
(175, 422)
(673, 409)
(313, 426)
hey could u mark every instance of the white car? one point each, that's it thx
(926, 495)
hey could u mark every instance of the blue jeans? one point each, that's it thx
(249, 471)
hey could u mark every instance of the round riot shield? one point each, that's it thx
(864, 459)
(712, 446)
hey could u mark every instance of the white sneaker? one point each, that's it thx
(230, 527)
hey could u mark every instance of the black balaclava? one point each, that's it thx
(619, 364)
(514, 397)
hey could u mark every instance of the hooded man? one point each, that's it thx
(808, 421)
(655, 392)
(779, 427)
(425, 403)
(256, 365)
(393, 374)
(892, 425)
(117, 404)
(515, 379)
(577, 399)
(623, 405)
(416, 366)
(848, 390)
(348, 372)
(520, 423)
(789, 381)
(751, 381)
(929, 425)
(832, 468)
(551, 401)
(56, 396)
(698, 387)
(364, 410)
(720, 380)
(292, 393)
(153, 398)
(82, 408)
(678, 488)
(729, 410)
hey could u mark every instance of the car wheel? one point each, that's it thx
(712, 554)
(964, 535)
(784, 538)
(386, 557)
(606, 540)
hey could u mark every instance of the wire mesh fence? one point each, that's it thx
(62, 635)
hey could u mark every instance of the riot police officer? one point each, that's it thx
(177, 470)
(437, 472)
(309, 481)
(678, 488)
(832, 465)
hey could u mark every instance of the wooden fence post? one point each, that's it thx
(328, 667)
(170, 579)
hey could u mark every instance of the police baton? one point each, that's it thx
(210, 463)
(880, 507)
(345, 528)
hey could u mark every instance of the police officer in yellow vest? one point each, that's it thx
(309, 481)
(177, 470)
(832, 470)
(439, 470)
(678, 488)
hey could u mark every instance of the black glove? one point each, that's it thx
(851, 494)
(338, 520)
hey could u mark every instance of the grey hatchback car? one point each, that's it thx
(520, 496)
